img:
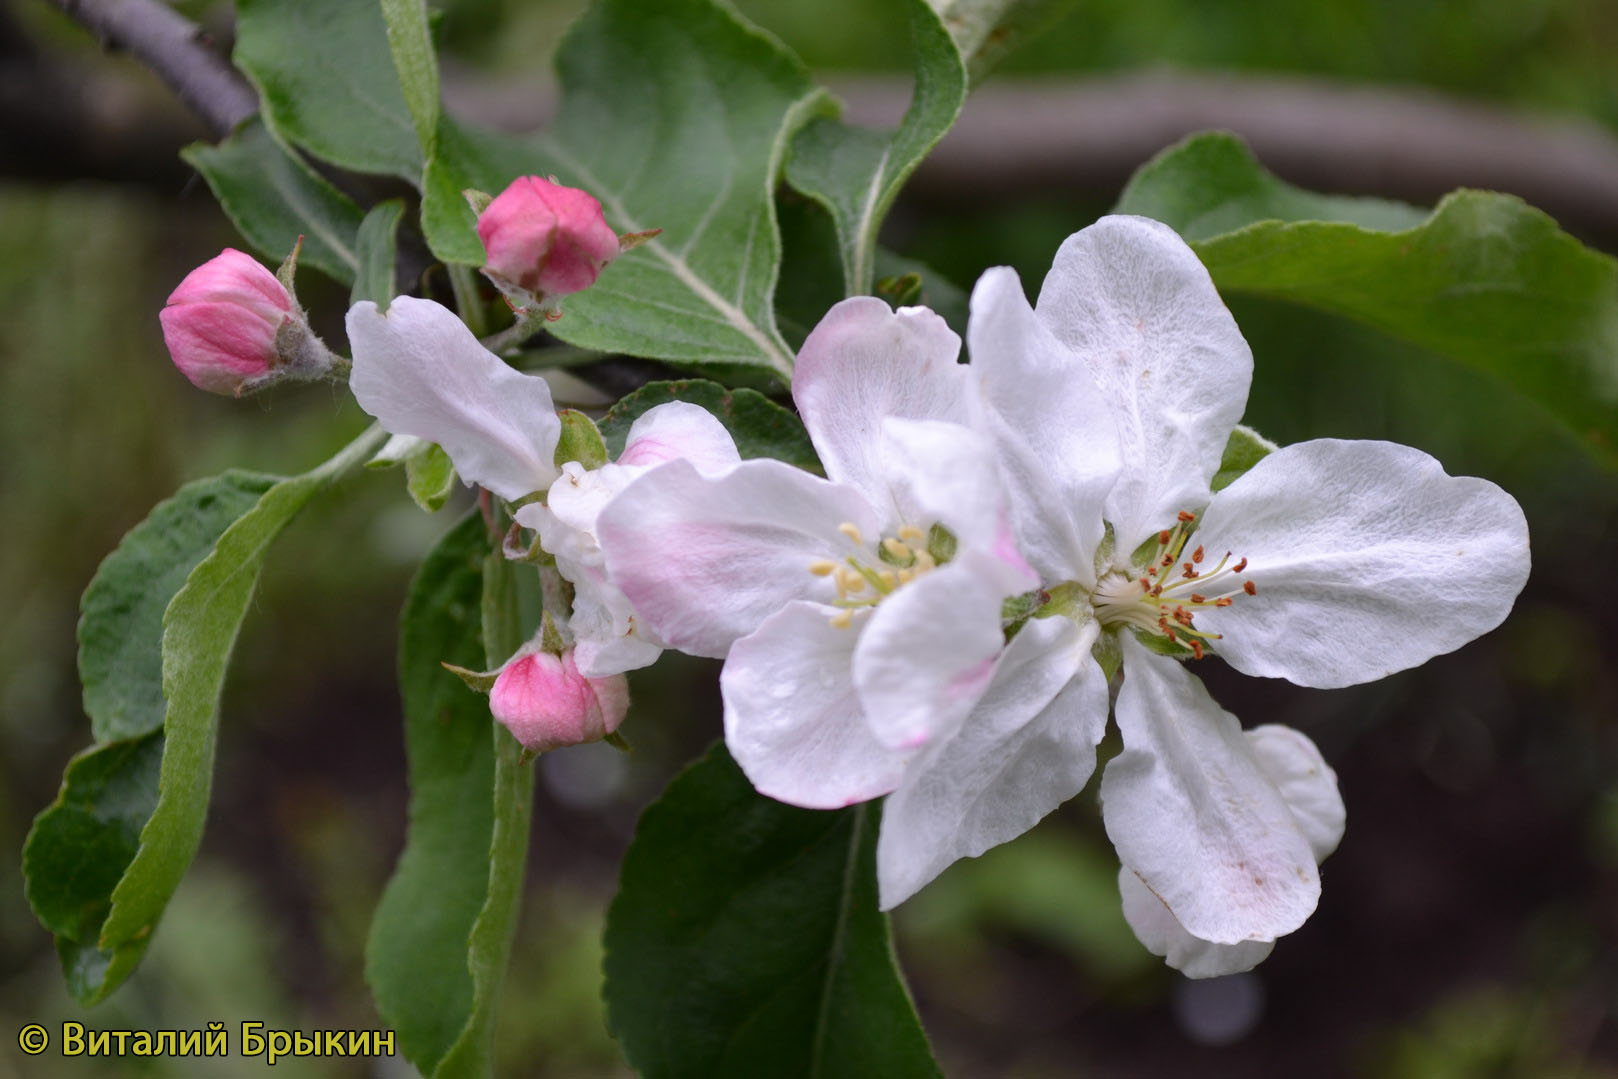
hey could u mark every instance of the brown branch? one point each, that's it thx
(173, 48)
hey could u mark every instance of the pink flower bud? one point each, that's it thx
(222, 324)
(545, 239)
(546, 703)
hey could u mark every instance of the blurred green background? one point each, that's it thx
(1469, 920)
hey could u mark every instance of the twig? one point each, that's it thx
(173, 48)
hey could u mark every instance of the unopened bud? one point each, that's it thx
(546, 703)
(232, 327)
(544, 241)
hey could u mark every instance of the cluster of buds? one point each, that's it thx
(232, 327)
(545, 241)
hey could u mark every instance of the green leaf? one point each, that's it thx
(327, 82)
(377, 247)
(510, 613)
(986, 30)
(273, 198)
(856, 172)
(77, 851)
(416, 957)
(1244, 449)
(411, 42)
(1484, 280)
(1211, 184)
(121, 620)
(429, 476)
(199, 631)
(580, 441)
(745, 940)
(760, 427)
(674, 114)
(938, 292)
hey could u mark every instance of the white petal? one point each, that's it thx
(1305, 781)
(792, 720)
(1154, 924)
(938, 472)
(421, 372)
(928, 652)
(865, 362)
(705, 559)
(679, 429)
(1194, 815)
(1059, 445)
(1027, 747)
(1129, 296)
(1367, 559)
(608, 638)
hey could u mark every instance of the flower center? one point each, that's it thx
(875, 570)
(1163, 598)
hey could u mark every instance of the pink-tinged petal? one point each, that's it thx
(1057, 441)
(1194, 815)
(705, 559)
(866, 362)
(1366, 558)
(421, 372)
(546, 703)
(233, 277)
(792, 719)
(928, 652)
(1027, 747)
(939, 472)
(679, 429)
(1155, 926)
(1133, 300)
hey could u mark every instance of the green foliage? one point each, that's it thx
(416, 957)
(760, 427)
(509, 615)
(986, 30)
(273, 198)
(674, 114)
(856, 173)
(377, 244)
(745, 940)
(77, 851)
(327, 82)
(199, 629)
(411, 43)
(1485, 280)
(121, 622)
(1244, 449)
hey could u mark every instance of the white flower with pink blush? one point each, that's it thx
(859, 615)
(421, 372)
(1329, 563)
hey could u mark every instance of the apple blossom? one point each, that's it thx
(860, 615)
(231, 327)
(1329, 563)
(421, 372)
(544, 241)
(546, 703)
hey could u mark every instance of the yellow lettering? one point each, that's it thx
(72, 1039)
(252, 1040)
(217, 1042)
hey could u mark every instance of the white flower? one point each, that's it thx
(609, 637)
(421, 372)
(860, 614)
(1329, 563)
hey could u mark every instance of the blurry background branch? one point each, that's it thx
(176, 50)
(1079, 135)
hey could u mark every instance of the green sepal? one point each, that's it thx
(1244, 449)
(1108, 654)
(580, 441)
